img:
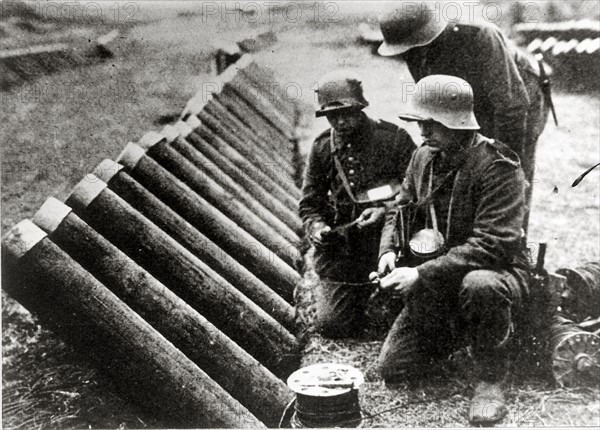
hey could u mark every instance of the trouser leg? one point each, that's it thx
(488, 301)
(343, 290)
(341, 307)
(421, 337)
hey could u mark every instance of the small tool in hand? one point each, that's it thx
(375, 279)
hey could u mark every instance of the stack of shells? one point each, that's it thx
(173, 266)
(571, 48)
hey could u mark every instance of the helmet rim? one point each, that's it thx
(390, 49)
(340, 89)
(451, 107)
(339, 106)
(470, 123)
(407, 25)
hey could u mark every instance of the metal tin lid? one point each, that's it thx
(325, 380)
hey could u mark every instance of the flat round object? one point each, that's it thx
(576, 359)
(325, 380)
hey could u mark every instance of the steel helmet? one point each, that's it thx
(408, 24)
(445, 99)
(340, 89)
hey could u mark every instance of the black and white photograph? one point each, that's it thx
(300, 214)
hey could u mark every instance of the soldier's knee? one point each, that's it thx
(481, 290)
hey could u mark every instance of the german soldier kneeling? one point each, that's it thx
(352, 169)
(457, 228)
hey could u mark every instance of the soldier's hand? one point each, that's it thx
(387, 262)
(370, 216)
(401, 279)
(320, 233)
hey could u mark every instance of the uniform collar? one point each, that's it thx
(362, 137)
(457, 158)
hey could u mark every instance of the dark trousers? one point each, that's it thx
(343, 268)
(479, 309)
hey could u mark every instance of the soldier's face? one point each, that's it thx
(437, 136)
(345, 122)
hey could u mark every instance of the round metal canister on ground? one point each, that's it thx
(576, 355)
(581, 299)
(326, 396)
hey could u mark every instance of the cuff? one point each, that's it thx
(315, 226)
(385, 250)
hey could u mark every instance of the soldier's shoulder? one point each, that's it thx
(321, 141)
(490, 151)
(385, 125)
(323, 136)
(469, 29)
(477, 29)
(389, 129)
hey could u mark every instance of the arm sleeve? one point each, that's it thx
(406, 147)
(313, 204)
(505, 89)
(497, 227)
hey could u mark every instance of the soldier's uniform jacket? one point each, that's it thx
(378, 153)
(498, 72)
(485, 212)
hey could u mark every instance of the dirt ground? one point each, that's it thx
(58, 128)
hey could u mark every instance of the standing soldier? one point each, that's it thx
(464, 273)
(511, 100)
(352, 169)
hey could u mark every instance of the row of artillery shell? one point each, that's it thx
(574, 63)
(251, 131)
(557, 47)
(174, 268)
(148, 335)
(244, 247)
(565, 30)
(259, 87)
(245, 92)
(267, 233)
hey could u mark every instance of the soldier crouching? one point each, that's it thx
(464, 274)
(353, 168)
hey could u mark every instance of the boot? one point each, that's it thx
(488, 405)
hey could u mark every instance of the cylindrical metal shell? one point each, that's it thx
(67, 298)
(233, 123)
(248, 185)
(188, 277)
(212, 176)
(146, 170)
(200, 245)
(245, 167)
(243, 377)
(237, 242)
(270, 171)
(251, 119)
(237, 127)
